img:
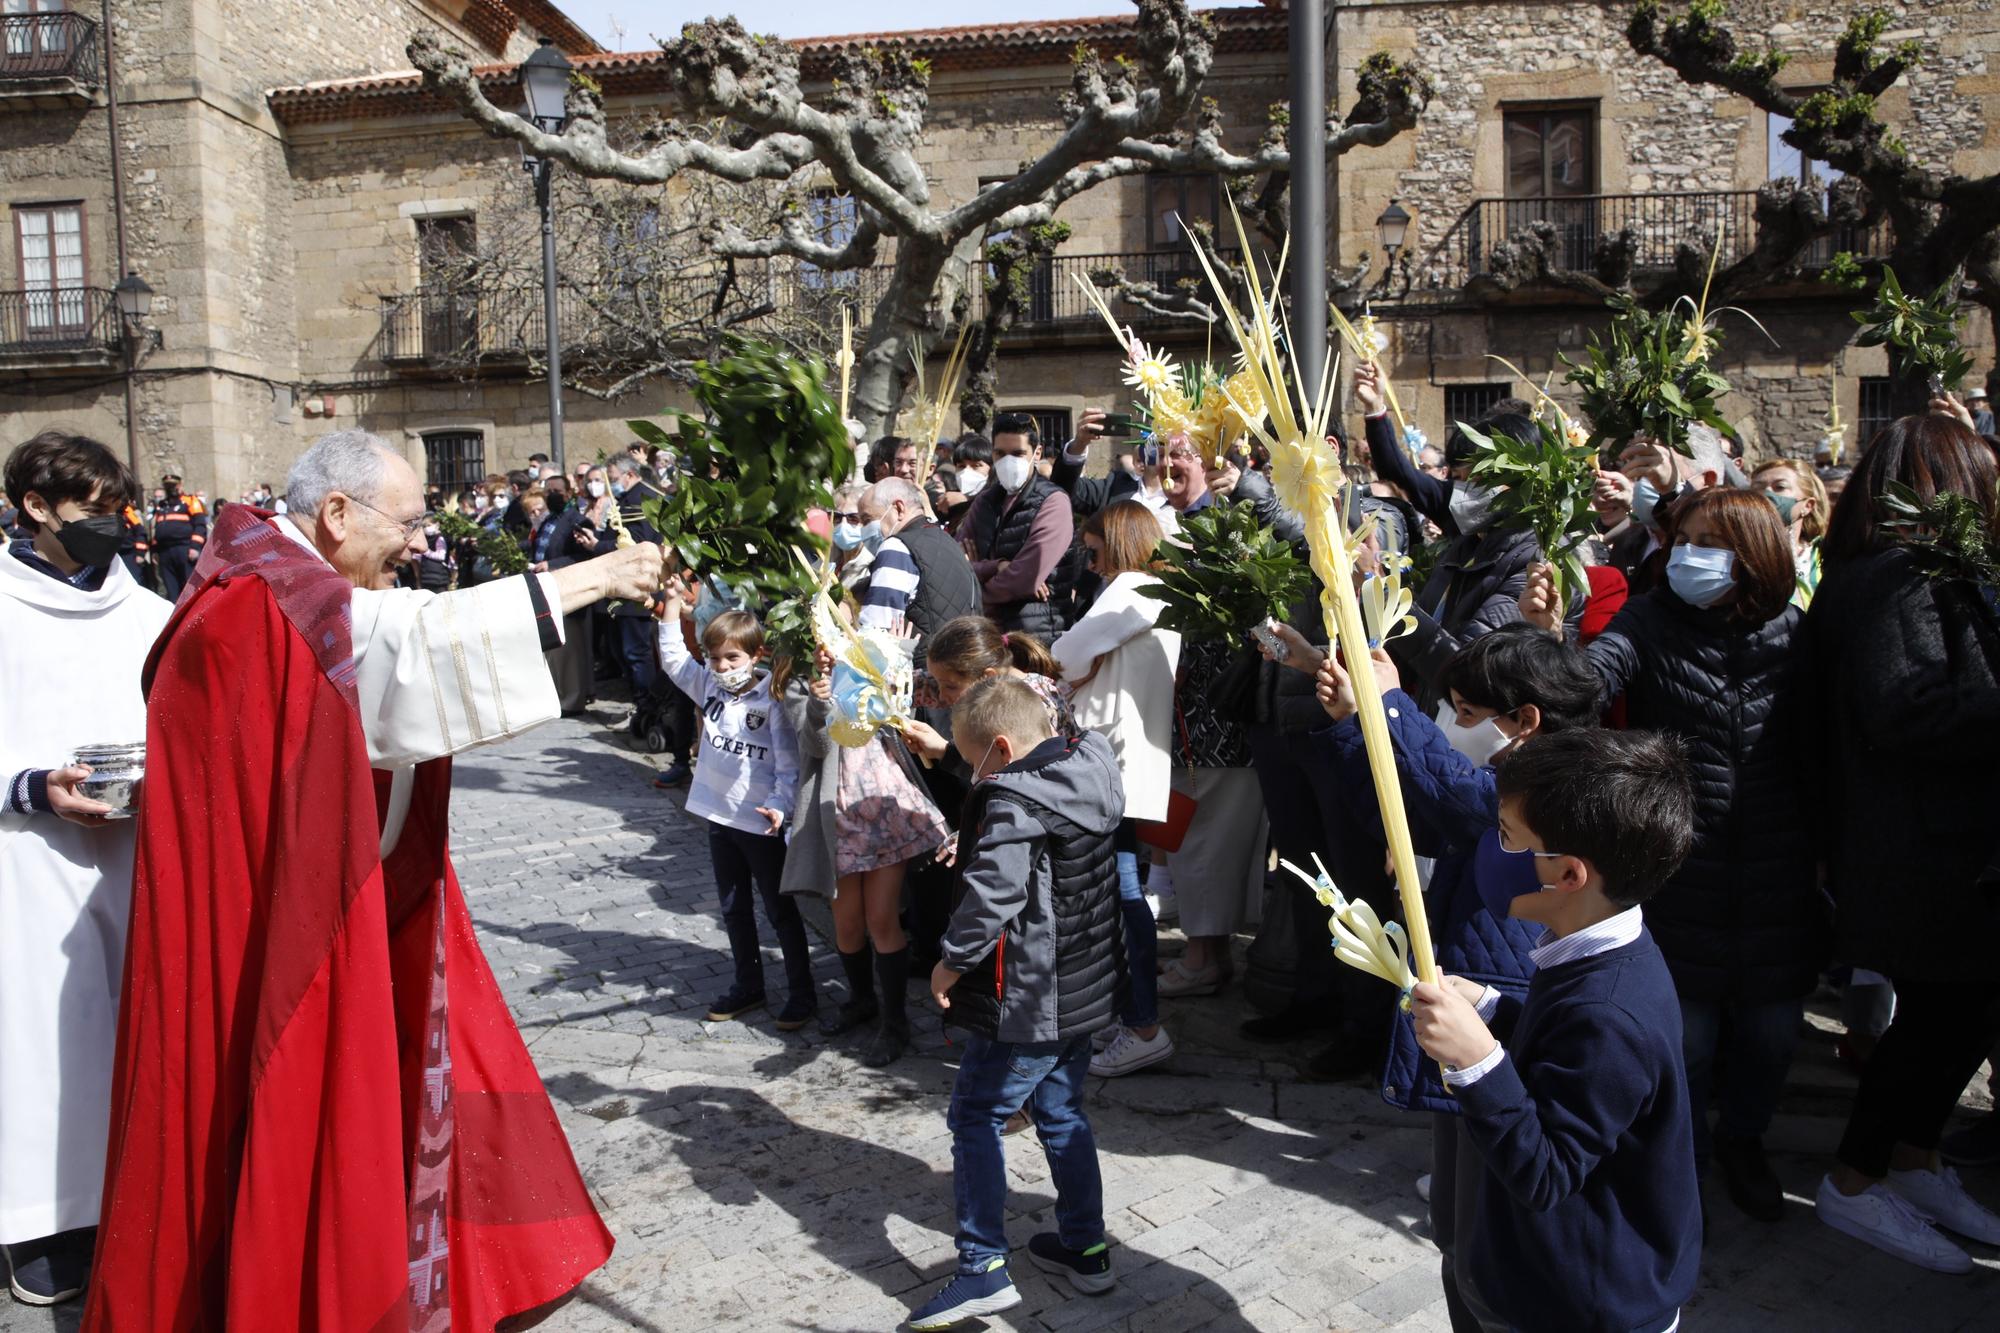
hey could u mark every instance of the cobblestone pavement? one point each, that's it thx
(758, 1180)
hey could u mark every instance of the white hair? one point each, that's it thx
(352, 462)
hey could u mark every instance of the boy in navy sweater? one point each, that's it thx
(1588, 1216)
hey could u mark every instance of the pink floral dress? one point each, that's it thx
(882, 814)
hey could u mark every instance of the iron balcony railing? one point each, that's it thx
(58, 319)
(467, 326)
(1659, 224)
(48, 46)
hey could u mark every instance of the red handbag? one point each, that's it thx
(1168, 834)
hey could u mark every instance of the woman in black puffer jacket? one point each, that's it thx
(1715, 659)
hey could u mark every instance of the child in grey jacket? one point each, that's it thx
(1034, 963)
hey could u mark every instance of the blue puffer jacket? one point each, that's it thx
(1451, 805)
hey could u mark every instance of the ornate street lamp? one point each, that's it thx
(135, 298)
(545, 83)
(1392, 229)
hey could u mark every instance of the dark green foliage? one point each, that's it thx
(770, 446)
(788, 629)
(1924, 330)
(1949, 536)
(1224, 575)
(495, 544)
(1640, 379)
(1548, 481)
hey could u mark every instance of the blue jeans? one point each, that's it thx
(995, 1079)
(1754, 1043)
(1142, 946)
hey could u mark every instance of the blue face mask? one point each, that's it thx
(872, 537)
(1645, 499)
(1501, 876)
(846, 536)
(1701, 575)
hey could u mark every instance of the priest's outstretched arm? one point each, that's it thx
(437, 673)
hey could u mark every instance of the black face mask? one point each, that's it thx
(92, 541)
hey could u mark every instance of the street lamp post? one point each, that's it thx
(1392, 229)
(1308, 220)
(545, 81)
(135, 302)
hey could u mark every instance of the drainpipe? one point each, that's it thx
(118, 217)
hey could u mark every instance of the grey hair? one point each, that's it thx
(352, 462)
(891, 489)
(624, 465)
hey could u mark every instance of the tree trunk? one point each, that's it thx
(904, 326)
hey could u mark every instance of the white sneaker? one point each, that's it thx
(1939, 1196)
(1105, 1036)
(1424, 1187)
(1129, 1051)
(1883, 1218)
(1160, 896)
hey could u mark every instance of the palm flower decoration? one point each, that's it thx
(1297, 440)
(1835, 435)
(1193, 400)
(1360, 938)
(927, 413)
(1386, 603)
(1547, 479)
(873, 671)
(1368, 343)
(1148, 369)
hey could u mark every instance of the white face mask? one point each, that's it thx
(597, 490)
(534, 471)
(970, 483)
(1012, 471)
(738, 680)
(1471, 506)
(500, 502)
(1480, 743)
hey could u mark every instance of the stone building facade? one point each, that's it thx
(281, 165)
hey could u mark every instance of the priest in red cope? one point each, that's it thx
(323, 1116)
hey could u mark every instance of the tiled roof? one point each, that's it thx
(551, 22)
(640, 73)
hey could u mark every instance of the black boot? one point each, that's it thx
(892, 972)
(1747, 1175)
(860, 1006)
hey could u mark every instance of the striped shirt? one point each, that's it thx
(748, 756)
(892, 584)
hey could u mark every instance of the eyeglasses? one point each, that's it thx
(408, 527)
(854, 518)
(1507, 846)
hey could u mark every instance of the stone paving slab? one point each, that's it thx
(765, 1181)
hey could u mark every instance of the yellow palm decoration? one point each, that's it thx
(1386, 603)
(1300, 456)
(1360, 938)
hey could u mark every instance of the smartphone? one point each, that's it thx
(1118, 423)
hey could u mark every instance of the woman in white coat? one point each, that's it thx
(1119, 665)
(74, 633)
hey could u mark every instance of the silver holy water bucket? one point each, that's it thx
(115, 771)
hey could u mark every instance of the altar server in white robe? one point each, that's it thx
(75, 629)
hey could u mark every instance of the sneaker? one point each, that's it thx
(968, 1296)
(1105, 1036)
(1940, 1196)
(1164, 906)
(677, 775)
(1177, 979)
(851, 1015)
(800, 1007)
(1747, 1175)
(50, 1270)
(1881, 1217)
(1977, 1145)
(1129, 1052)
(734, 1005)
(1089, 1271)
(1424, 1187)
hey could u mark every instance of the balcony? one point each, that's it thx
(1658, 224)
(498, 327)
(49, 60)
(57, 330)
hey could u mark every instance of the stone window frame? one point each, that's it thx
(1154, 181)
(415, 215)
(416, 451)
(1486, 392)
(1046, 417)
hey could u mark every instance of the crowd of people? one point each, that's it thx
(1656, 813)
